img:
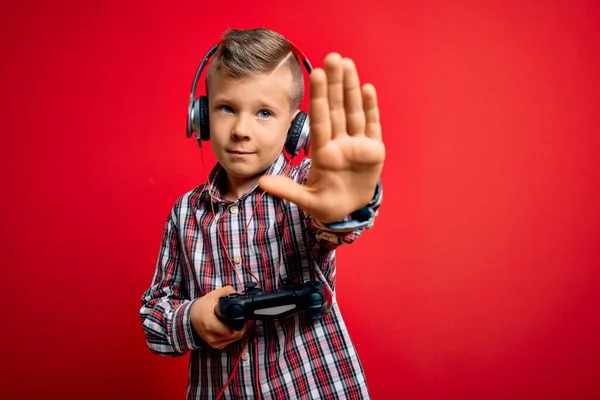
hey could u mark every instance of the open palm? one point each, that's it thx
(347, 151)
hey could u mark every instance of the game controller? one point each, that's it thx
(255, 304)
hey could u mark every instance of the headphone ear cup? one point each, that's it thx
(298, 135)
(194, 119)
(203, 116)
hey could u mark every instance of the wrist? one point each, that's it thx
(361, 218)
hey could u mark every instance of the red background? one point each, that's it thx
(480, 278)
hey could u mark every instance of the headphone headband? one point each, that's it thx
(296, 50)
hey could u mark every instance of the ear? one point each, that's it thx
(294, 115)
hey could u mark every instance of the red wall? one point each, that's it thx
(480, 279)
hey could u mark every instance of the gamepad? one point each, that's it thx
(255, 304)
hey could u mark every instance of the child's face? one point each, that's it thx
(249, 119)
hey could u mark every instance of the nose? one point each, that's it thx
(241, 129)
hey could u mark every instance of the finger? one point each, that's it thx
(226, 342)
(221, 344)
(373, 127)
(320, 124)
(287, 189)
(355, 116)
(222, 292)
(220, 330)
(335, 94)
(228, 338)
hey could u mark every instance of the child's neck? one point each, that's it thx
(234, 187)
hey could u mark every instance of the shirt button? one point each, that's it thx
(245, 356)
(237, 259)
(233, 209)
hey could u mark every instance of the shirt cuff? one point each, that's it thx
(362, 218)
(182, 331)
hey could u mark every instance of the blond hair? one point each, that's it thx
(243, 53)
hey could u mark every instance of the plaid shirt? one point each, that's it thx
(295, 358)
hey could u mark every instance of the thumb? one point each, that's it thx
(222, 292)
(287, 189)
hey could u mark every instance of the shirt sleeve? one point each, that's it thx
(165, 311)
(323, 240)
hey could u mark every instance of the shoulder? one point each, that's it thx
(186, 203)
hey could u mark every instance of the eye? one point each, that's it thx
(265, 114)
(225, 109)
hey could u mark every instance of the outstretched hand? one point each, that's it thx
(346, 148)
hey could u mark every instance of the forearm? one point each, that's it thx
(165, 310)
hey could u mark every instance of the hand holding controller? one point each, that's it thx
(207, 326)
(255, 304)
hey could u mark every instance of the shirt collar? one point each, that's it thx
(216, 180)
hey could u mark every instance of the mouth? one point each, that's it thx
(239, 153)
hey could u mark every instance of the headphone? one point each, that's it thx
(298, 135)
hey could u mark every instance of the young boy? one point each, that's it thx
(261, 219)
